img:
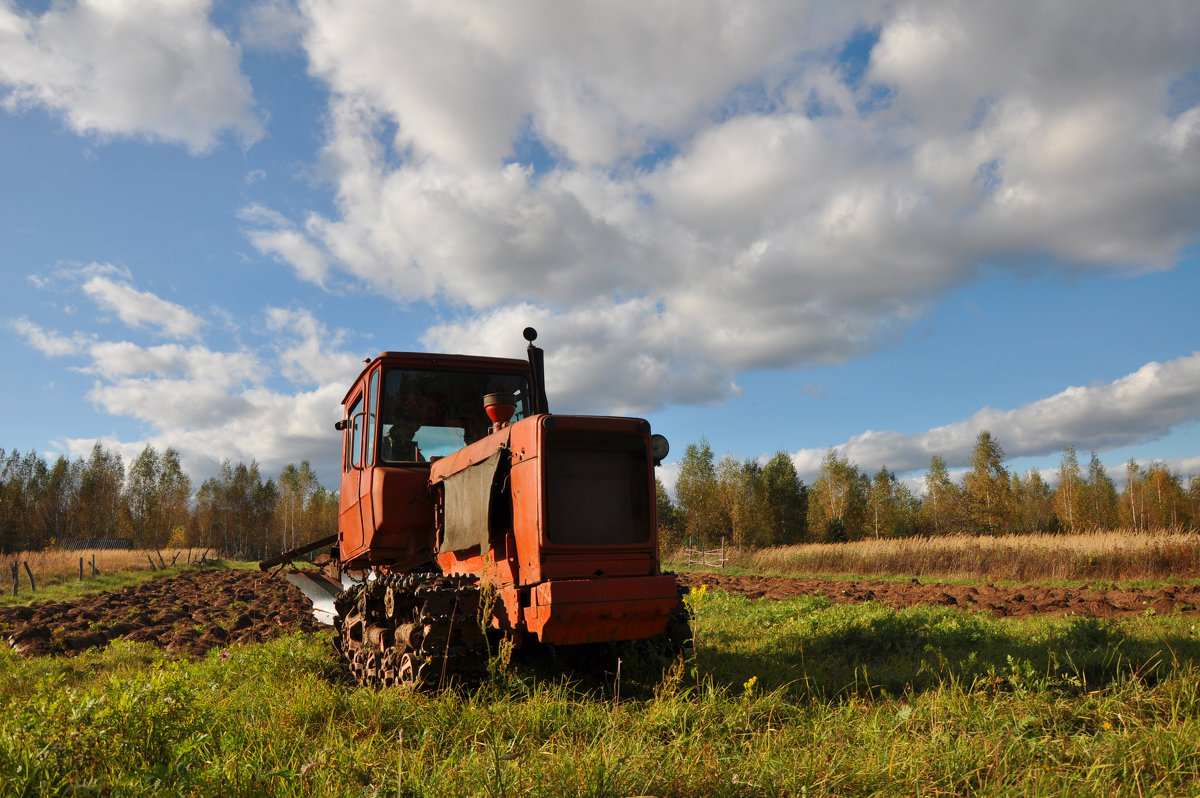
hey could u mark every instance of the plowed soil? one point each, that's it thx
(188, 614)
(214, 607)
(1001, 601)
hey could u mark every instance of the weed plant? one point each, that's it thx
(797, 697)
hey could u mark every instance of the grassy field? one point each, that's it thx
(1105, 556)
(57, 572)
(796, 697)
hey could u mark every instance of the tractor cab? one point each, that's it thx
(405, 411)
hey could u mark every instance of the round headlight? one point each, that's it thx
(659, 447)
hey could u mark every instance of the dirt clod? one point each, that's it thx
(210, 608)
(188, 614)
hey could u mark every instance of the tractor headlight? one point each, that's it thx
(659, 448)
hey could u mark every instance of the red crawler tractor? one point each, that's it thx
(458, 482)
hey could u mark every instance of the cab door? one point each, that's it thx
(366, 473)
(350, 527)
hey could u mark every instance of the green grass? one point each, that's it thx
(798, 697)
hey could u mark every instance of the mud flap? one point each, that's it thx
(468, 506)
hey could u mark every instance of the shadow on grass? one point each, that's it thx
(812, 648)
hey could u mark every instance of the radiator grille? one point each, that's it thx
(598, 489)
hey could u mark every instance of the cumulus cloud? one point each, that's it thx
(111, 288)
(159, 70)
(1138, 407)
(273, 234)
(273, 398)
(48, 342)
(308, 351)
(595, 361)
(212, 405)
(270, 426)
(117, 360)
(273, 26)
(729, 185)
(138, 308)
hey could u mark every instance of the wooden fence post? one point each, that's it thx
(94, 571)
(161, 561)
(32, 584)
(152, 568)
(722, 551)
(15, 572)
(80, 569)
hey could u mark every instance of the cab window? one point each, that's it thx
(426, 413)
(353, 435)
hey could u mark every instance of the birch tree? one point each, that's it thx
(986, 490)
(1067, 494)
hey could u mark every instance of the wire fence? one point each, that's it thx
(49, 568)
(714, 558)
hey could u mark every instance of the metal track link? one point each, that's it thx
(418, 631)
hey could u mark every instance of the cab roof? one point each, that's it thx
(433, 360)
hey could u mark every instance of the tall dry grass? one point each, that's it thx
(1112, 555)
(58, 567)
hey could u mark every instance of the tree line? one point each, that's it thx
(236, 513)
(752, 505)
(749, 504)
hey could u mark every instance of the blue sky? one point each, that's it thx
(780, 226)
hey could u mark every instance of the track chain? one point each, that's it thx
(418, 631)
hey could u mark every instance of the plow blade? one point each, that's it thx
(320, 590)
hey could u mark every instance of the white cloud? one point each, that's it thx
(273, 26)
(208, 422)
(184, 406)
(272, 427)
(309, 352)
(48, 342)
(273, 234)
(595, 361)
(274, 400)
(138, 308)
(598, 82)
(1138, 407)
(762, 232)
(118, 360)
(158, 69)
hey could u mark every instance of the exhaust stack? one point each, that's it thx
(537, 368)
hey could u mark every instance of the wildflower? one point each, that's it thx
(224, 655)
(748, 685)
